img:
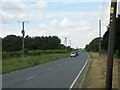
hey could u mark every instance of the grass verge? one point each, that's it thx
(9, 65)
(96, 75)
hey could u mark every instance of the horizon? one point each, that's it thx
(63, 19)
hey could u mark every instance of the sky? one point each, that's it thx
(74, 19)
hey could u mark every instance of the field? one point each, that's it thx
(13, 64)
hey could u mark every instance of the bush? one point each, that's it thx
(11, 54)
(117, 54)
(14, 54)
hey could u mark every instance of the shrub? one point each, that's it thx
(117, 54)
(14, 54)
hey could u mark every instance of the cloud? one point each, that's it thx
(43, 26)
(11, 0)
(69, 1)
(21, 11)
(17, 6)
(82, 33)
(66, 22)
(41, 4)
(14, 6)
(5, 18)
(53, 22)
(75, 25)
(82, 25)
(8, 32)
(24, 16)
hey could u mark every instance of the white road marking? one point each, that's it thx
(30, 78)
(78, 75)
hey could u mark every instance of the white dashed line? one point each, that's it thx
(30, 78)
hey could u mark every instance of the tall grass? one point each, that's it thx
(14, 64)
(14, 54)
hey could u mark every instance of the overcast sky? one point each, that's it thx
(75, 20)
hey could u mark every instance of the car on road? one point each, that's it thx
(77, 53)
(74, 54)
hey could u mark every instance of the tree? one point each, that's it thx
(105, 40)
(12, 43)
(93, 45)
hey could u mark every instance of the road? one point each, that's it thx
(57, 74)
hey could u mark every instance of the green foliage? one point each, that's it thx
(39, 52)
(14, 64)
(105, 40)
(93, 46)
(103, 52)
(14, 43)
(14, 54)
(11, 54)
(11, 43)
(44, 43)
(117, 53)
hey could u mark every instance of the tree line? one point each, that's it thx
(14, 43)
(94, 44)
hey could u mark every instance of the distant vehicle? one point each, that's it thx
(73, 54)
(77, 53)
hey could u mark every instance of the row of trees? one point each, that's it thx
(14, 43)
(94, 44)
(117, 37)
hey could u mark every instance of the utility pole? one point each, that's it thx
(70, 43)
(23, 33)
(100, 37)
(76, 47)
(65, 42)
(111, 45)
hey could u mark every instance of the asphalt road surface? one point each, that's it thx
(57, 74)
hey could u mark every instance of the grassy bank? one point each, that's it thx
(9, 65)
(16, 54)
(96, 75)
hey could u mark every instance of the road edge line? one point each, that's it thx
(71, 86)
(83, 80)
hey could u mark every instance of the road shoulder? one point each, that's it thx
(96, 75)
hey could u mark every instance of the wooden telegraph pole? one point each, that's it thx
(111, 45)
(23, 33)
